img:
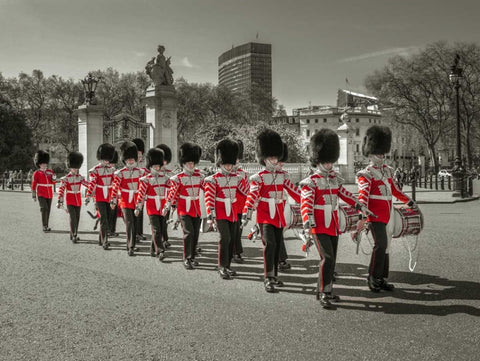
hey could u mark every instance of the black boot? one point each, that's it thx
(224, 274)
(373, 284)
(384, 285)
(325, 301)
(269, 285)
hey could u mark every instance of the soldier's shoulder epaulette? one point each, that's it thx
(366, 173)
(309, 182)
(256, 178)
(389, 170)
(210, 179)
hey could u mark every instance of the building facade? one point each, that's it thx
(247, 69)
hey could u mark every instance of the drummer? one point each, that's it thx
(376, 185)
(319, 204)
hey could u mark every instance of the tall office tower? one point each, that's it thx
(246, 69)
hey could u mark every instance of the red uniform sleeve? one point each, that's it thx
(91, 184)
(397, 192)
(142, 190)
(306, 203)
(34, 181)
(292, 190)
(173, 192)
(363, 190)
(210, 194)
(253, 195)
(347, 196)
(116, 184)
(61, 190)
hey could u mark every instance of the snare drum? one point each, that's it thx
(406, 221)
(293, 216)
(348, 218)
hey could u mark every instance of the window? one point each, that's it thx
(357, 120)
(316, 120)
(369, 120)
(357, 148)
(357, 132)
(324, 120)
(375, 121)
(308, 121)
(308, 132)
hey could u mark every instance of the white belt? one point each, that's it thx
(327, 212)
(228, 204)
(45, 185)
(157, 200)
(73, 192)
(188, 201)
(385, 198)
(272, 202)
(105, 190)
(131, 193)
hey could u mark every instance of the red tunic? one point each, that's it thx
(221, 194)
(70, 185)
(153, 189)
(376, 187)
(101, 179)
(266, 189)
(320, 194)
(184, 192)
(42, 183)
(241, 198)
(126, 182)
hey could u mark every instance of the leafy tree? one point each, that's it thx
(16, 147)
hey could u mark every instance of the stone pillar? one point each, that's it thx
(90, 134)
(161, 113)
(346, 162)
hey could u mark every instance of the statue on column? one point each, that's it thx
(158, 69)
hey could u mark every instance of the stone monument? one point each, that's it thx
(161, 103)
(90, 125)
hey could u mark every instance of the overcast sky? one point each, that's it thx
(316, 44)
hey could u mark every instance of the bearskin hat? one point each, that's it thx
(115, 158)
(226, 152)
(140, 144)
(167, 152)
(105, 152)
(269, 144)
(284, 157)
(377, 140)
(129, 150)
(74, 160)
(154, 157)
(324, 147)
(240, 149)
(189, 152)
(41, 157)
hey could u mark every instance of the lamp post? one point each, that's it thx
(456, 74)
(89, 84)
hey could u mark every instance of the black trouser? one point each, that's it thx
(327, 248)
(237, 238)
(130, 223)
(271, 239)
(191, 231)
(165, 228)
(45, 206)
(225, 244)
(139, 223)
(157, 223)
(105, 213)
(113, 219)
(283, 252)
(74, 213)
(379, 262)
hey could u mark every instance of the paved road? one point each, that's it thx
(60, 301)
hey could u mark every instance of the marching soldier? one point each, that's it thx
(69, 192)
(116, 212)
(43, 181)
(376, 186)
(266, 188)
(140, 164)
(167, 158)
(126, 182)
(100, 183)
(238, 206)
(153, 189)
(283, 264)
(184, 192)
(319, 204)
(221, 190)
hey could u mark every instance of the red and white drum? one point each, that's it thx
(293, 216)
(406, 221)
(348, 218)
